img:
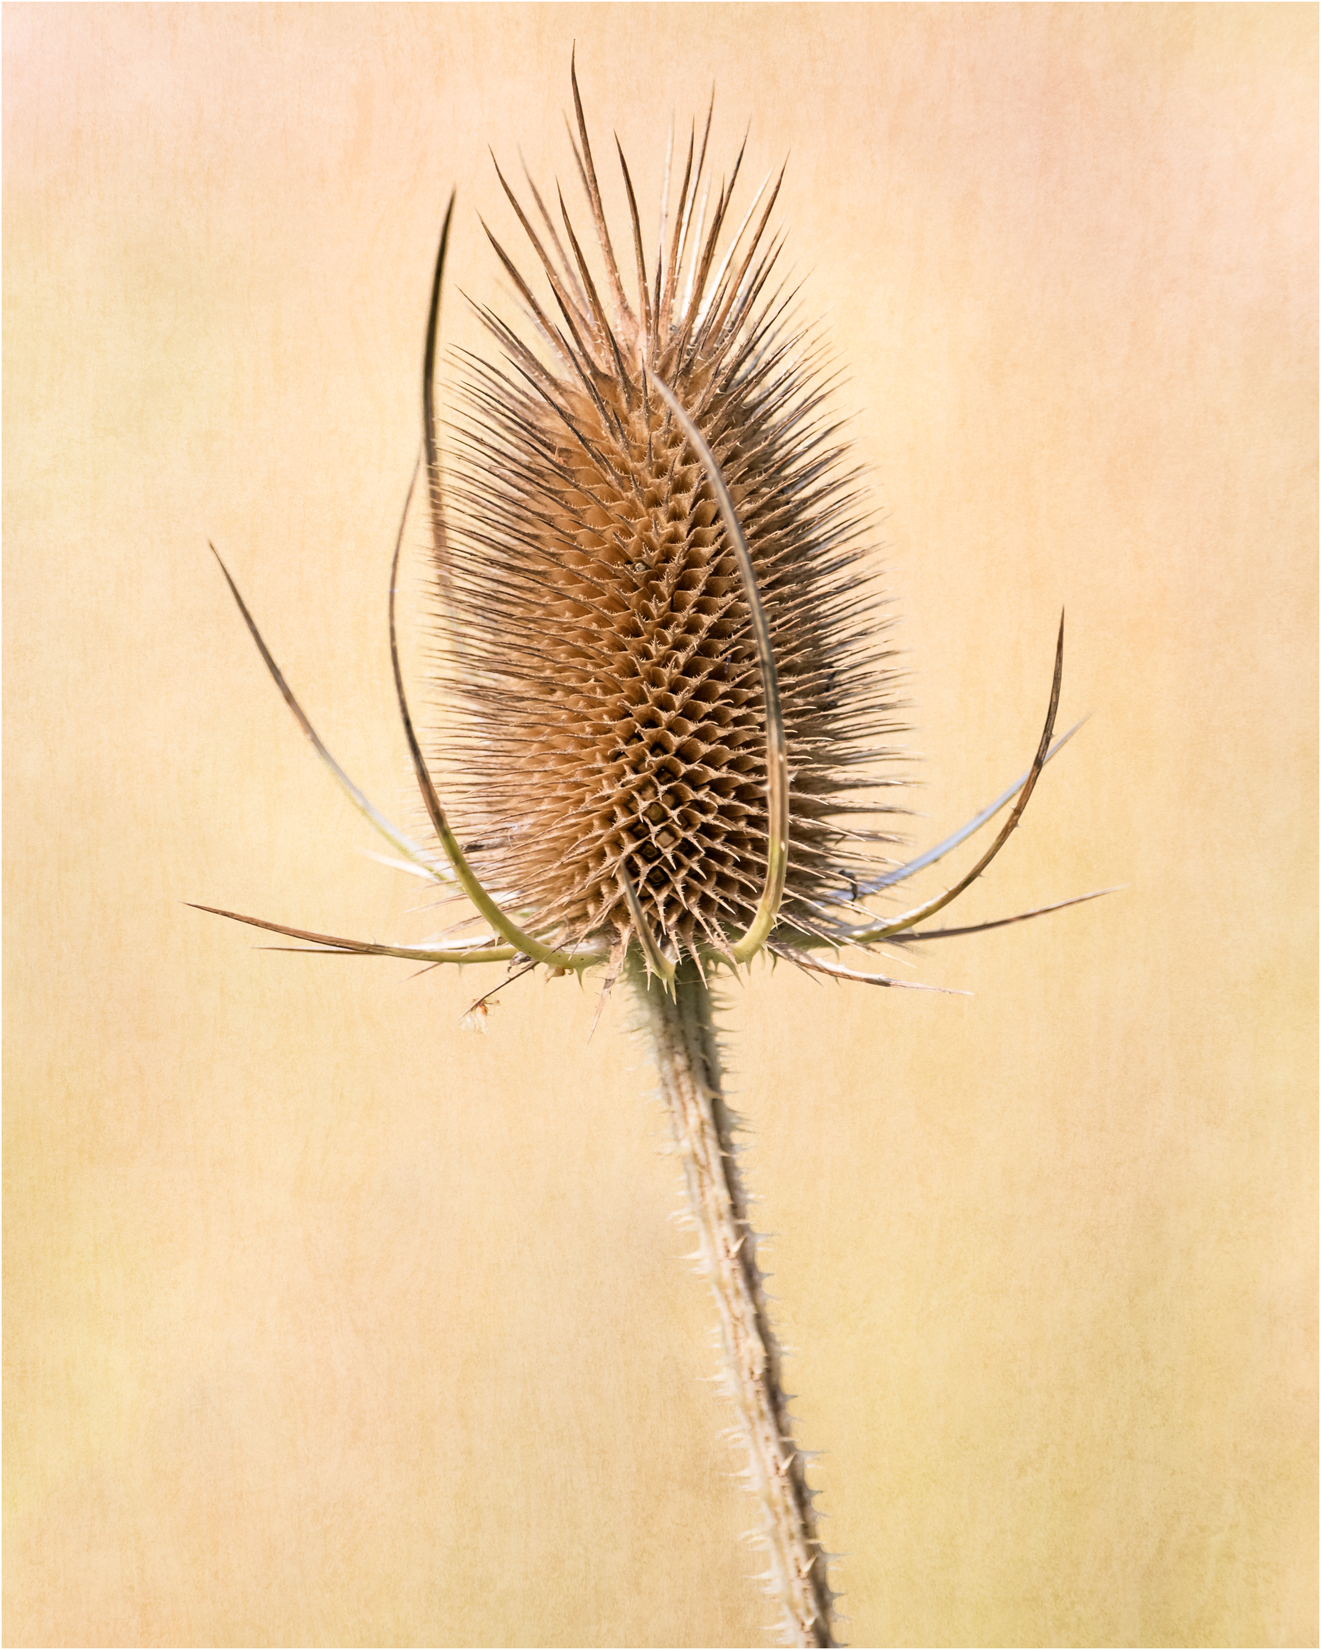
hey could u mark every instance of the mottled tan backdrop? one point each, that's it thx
(327, 1323)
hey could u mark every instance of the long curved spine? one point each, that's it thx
(464, 874)
(869, 936)
(466, 877)
(369, 948)
(409, 849)
(777, 754)
(949, 843)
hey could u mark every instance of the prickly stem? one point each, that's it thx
(684, 1042)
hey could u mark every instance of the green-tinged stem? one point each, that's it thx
(683, 1035)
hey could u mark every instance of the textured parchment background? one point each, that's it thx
(325, 1323)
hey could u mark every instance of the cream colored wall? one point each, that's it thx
(325, 1323)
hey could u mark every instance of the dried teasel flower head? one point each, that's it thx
(662, 636)
(620, 723)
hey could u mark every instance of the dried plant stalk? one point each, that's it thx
(662, 645)
(687, 1059)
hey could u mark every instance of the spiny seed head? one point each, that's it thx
(660, 624)
(600, 655)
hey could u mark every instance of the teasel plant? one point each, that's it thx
(661, 640)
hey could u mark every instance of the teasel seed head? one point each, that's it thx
(662, 636)
(619, 727)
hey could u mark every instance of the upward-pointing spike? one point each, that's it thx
(638, 254)
(550, 226)
(672, 262)
(439, 541)
(594, 196)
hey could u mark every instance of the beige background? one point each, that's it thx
(326, 1323)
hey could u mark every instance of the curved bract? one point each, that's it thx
(777, 756)
(897, 925)
(370, 948)
(464, 874)
(417, 856)
(656, 960)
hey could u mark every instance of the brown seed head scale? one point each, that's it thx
(661, 648)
